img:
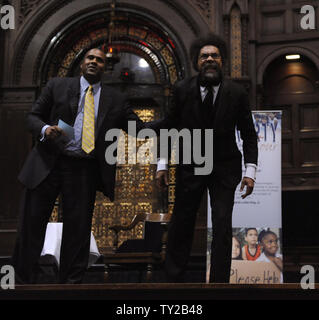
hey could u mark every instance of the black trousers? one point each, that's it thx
(189, 192)
(75, 180)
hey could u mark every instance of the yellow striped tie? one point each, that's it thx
(88, 122)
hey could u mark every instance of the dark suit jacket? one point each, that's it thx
(59, 100)
(231, 109)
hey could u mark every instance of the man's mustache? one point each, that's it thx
(210, 74)
(209, 65)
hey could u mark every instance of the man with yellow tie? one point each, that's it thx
(73, 167)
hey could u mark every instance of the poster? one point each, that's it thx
(257, 233)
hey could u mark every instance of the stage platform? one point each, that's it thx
(141, 292)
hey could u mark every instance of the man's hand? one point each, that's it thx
(249, 183)
(162, 179)
(53, 132)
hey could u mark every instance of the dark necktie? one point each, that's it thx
(208, 102)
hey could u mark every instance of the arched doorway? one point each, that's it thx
(292, 86)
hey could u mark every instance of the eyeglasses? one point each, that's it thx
(205, 56)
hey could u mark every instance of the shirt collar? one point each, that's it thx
(85, 84)
(203, 89)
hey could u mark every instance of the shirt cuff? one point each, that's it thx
(162, 164)
(42, 137)
(251, 170)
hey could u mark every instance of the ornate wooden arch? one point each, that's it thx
(133, 33)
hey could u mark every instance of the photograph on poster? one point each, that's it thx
(256, 256)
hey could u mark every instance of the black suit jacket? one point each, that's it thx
(231, 110)
(59, 100)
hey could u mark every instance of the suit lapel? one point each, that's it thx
(105, 105)
(221, 103)
(73, 99)
(196, 101)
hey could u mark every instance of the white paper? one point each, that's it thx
(67, 129)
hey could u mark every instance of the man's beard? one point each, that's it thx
(208, 77)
